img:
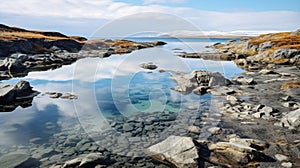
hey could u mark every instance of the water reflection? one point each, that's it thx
(111, 92)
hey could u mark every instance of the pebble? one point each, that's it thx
(214, 130)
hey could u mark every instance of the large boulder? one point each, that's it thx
(176, 151)
(15, 95)
(200, 78)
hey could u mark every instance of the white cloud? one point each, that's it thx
(163, 1)
(82, 11)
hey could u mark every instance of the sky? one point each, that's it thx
(85, 17)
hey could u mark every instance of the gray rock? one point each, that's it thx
(13, 160)
(128, 127)
(214, 130)
(254, 143)
(150, 66)
(178, 151)
(267, 109)
(68, 96)
(194, 129)
(287, 164)
(285, 53)
(258, 114)
(201, 90)
(246, 81)
(264, 46)
(266, 72)
(291, 120)
(281, 157)
(232, 100)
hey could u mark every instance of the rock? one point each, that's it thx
(253, 143)
(232, 100)
(214, 130)
(246, 81)
(128, 127)
(89, 160)
(286, 98)
(15, 95)
(258, 114)
(157, 43)
(264, 46)
(285, 53)
(287, 164)
(68, 96)
(175, 150)
(281, 157)
(150, 66)
(291, 120)
(201, 90)
(13, 160)
(258, 107)
(267, 109)
(56, 95)
(266, 72)
(229, 154)
(194, 129)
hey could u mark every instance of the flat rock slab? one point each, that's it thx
(175, 150)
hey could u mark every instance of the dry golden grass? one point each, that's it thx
(291, 84)
(26, 35)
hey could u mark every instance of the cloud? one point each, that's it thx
(79, 16)
(163, 1)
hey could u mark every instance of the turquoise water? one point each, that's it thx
(107, 89)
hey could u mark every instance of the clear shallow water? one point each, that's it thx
(107, 89)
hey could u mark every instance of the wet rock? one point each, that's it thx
(56, 95)
(201, 90)
(89, 160)
(175, 150)
(12, 160)
(291, 120)
(150, 66)
(15, 95)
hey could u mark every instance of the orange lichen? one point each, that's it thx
(291, 84)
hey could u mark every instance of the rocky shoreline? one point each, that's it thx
(252, 120)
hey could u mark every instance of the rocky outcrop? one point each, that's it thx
(199, 81)
(16, 40)
(56, 95)
(11, 96)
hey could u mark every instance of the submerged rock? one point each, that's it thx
(13, 160)
(176, 151)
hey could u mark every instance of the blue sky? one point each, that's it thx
(84, 17)
(229, 5)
